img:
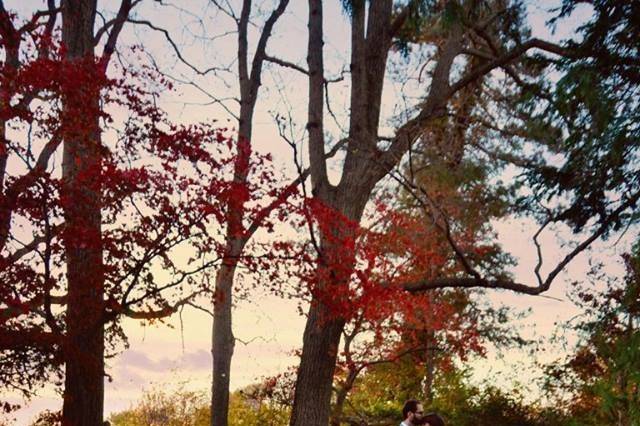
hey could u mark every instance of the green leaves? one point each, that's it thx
(595, 105)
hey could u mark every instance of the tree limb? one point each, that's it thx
(29, 337)
(259, 56)
(159, 313)
(117, 23)
(173, 45)
(31, 246)
(315, 120)
(17, 308)
(506, 284)
(505, 59)
(286, 64)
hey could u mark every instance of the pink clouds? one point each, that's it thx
(188, 362)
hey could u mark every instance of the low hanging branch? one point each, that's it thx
(542, 286)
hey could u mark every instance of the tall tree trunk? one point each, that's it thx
(249, 79)
(84, 349)
(222, 344)
(312, 398)
(313, 387)
(430, 366)
(222, 339)
(12, 62)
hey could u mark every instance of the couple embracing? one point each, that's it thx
(413, 415)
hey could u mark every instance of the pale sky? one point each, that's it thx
(271, 327)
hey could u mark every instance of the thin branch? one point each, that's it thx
(33, 245)
(286, 193)
(123, 13)
(200, 308)
(174, 46)
(227, 11)
(286, 64)
(505, 59)
(183, 275)
(446, 229)
(471, 282)
(159, 313)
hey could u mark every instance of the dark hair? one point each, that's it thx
(434, 419)
(411, 406)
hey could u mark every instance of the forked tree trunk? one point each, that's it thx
(373, 26)
(312, 401)
(223, 341)
(84, 348)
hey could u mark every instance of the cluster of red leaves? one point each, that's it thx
(274, 390)
(162, 189)
(359, 274)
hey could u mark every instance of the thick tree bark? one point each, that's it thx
(11, 45)
(315, 375)
(84, 349)
(322, 333)
(312, 398)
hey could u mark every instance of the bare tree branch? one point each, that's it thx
(31, 246)
(286, 193)
(471, 282)
(123, 14)
(174, 46)
(158, 313)
(286, 64)
(260, 54)
(227, 11)
(505, 59)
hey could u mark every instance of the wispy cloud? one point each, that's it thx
(189, 361)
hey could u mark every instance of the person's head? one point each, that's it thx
(433, 419)
(412, 411)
